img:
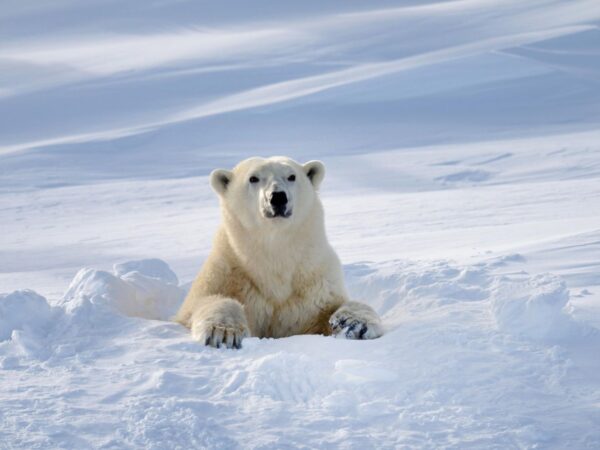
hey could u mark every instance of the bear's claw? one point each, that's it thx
(223, 336)
(354, 330)
(355, 321)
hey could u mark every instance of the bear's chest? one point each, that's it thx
(305, 317)
(296, 315)
(285, 304)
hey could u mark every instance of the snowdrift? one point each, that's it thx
(462, 346)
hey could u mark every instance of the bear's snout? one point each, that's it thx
(279, 202)
(278, 199)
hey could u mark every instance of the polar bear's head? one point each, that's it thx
(275, 190)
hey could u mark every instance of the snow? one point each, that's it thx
(533, 308)
(461, 140)
(23, 310)
(136, 288)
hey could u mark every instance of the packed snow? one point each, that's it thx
(462, 146)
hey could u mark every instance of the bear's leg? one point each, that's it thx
(355, 320)
(219, 322)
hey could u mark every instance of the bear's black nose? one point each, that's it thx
(278, 199)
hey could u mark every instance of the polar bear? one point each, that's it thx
(271, 271)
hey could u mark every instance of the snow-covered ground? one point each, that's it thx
(462, 142)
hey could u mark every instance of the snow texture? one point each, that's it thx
(533, 308)
(462, 146)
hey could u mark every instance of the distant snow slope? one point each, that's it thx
(462, 145)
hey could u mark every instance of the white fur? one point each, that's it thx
(271, 276)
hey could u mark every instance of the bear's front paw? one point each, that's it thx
(220, 335)
(355, 321)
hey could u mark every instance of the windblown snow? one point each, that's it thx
(462, 146)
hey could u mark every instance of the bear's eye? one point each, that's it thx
(253, 179)
(292, 178)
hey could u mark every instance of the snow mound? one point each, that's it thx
(24, 311)
(97, 306)
(26, 319)
(534, 307)
(396, 287)
(530, 307)
(146, 289)
(151, 268)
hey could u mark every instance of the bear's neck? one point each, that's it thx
(280, 250)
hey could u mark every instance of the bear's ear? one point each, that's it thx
(220, 179)
(315, 171)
